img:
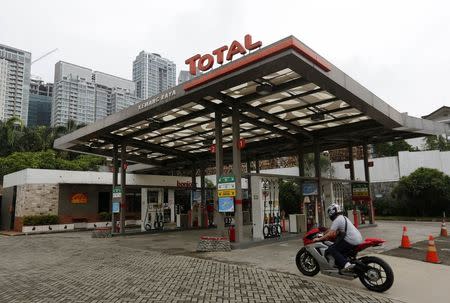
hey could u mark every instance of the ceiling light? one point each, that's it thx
(264, 88)
(317, 117)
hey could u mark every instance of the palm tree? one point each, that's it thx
(11, 131)
(70, 126)
(61, 130)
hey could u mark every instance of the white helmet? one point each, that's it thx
(333, 211)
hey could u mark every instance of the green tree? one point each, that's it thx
(324, 164)
(437, 143)
(290, 197)
(209, 183)
(47, 160)
(390, 149)
(11, 131)
(425, 192)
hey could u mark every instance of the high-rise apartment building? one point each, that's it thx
(40, 104)
(15, 68)
(84, 95)
(152, 74)
(184, 76)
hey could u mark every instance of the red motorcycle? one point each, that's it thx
(374, 273)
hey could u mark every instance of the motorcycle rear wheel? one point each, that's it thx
(306, 263)
(379, 277)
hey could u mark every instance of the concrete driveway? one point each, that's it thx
(73, 266)
(415, 281)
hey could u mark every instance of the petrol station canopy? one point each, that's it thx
(288, 97)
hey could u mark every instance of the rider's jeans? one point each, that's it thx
(339, 250)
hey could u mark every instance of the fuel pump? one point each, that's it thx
(152, 211)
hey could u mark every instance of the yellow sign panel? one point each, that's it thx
(227, 193)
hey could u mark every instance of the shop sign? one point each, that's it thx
(206, 62)
(309, 189)
(360, 192)
(227, 193)
(226, 204)
(186, 184)
(79, 198)
(159, 98)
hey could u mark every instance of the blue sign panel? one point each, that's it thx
(116, 207)
(226, 204)
(310, 189)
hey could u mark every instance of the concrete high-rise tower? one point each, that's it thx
(152, 74)
(84, 96)
(15, 68)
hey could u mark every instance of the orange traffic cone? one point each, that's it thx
(405, 239)
(444, 229)
(432, 256)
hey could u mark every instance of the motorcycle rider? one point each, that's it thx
(348, 239)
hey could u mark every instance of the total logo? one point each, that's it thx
(206, 62)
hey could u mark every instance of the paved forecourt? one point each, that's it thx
(75, 268)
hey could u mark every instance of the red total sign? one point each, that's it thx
(206, 62)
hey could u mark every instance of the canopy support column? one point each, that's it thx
(115, 183)
(202, 198)
(237, 175)
(351, 164)
(319, 181)
(249, 181)
(218, 218)
(367, 177)
(193, 179)
(123, 183)
(301, 173)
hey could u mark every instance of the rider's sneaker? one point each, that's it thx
(348, 267)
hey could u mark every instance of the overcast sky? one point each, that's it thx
(400, 50)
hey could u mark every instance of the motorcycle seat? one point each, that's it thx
(368, 242)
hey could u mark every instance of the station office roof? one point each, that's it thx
(288, 96)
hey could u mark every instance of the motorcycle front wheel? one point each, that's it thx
(378, 276)
(306, 263)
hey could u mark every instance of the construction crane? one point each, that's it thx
(45, 55)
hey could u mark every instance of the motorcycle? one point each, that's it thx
(374, 273)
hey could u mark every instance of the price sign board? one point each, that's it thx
(117, 192)
(116, 207)
(226, 204)
(116, 199)
(227, 193)
(226, 179)
(360, 192)
(222, 186)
